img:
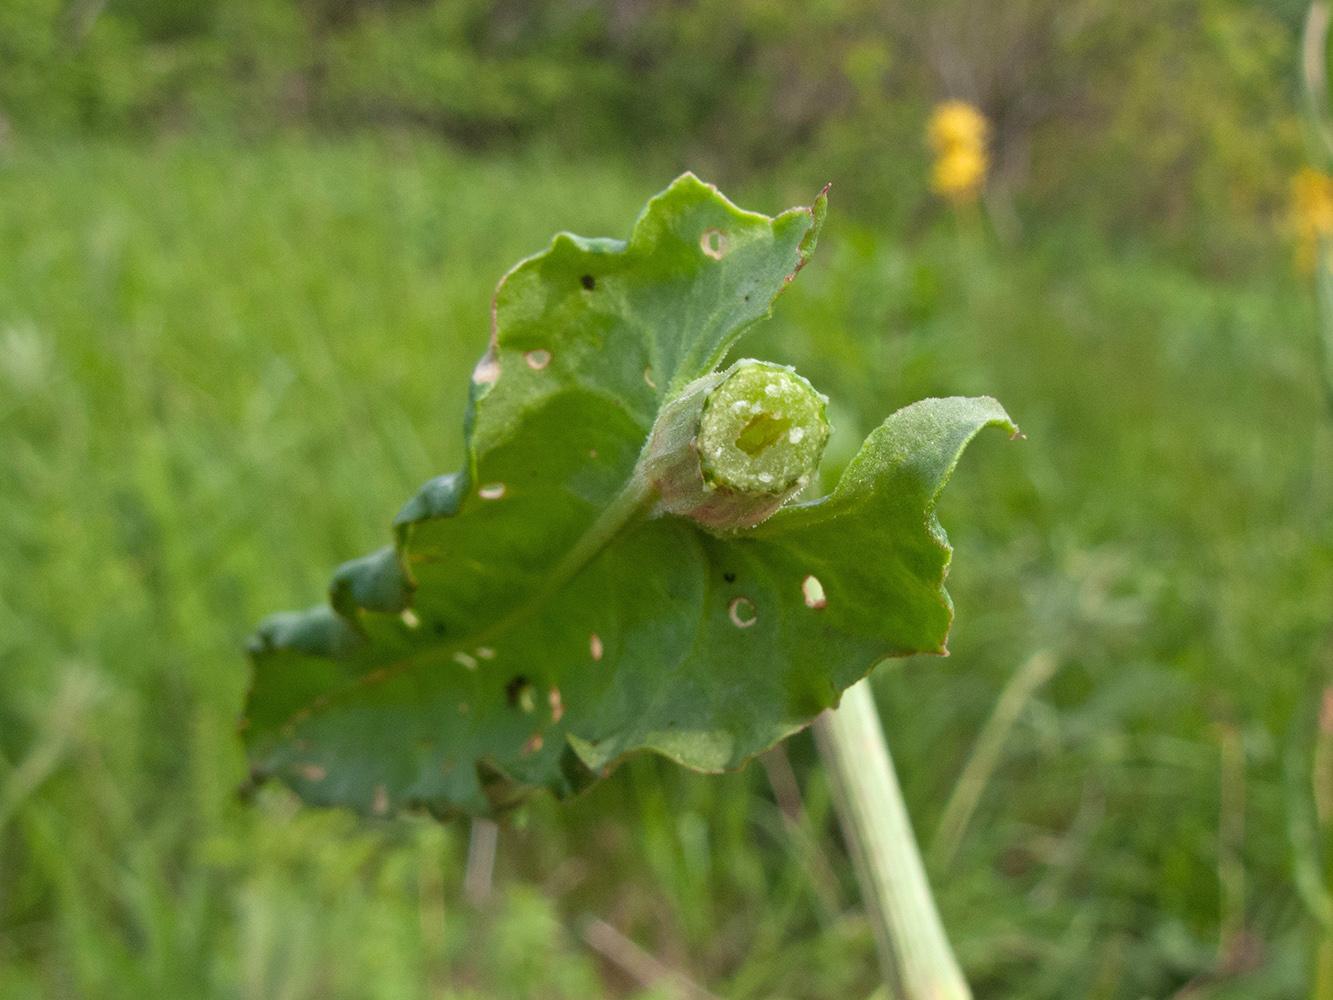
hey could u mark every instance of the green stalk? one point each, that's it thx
(986, 757)
(910, 938)
(1308, 833)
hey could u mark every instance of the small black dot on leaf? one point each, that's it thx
(729, 577)
(589, 282)
(439, 628)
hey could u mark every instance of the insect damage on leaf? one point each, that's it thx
(578, 590)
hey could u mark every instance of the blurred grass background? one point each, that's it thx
(246, 257)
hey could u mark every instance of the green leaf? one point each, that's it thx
(536, 620)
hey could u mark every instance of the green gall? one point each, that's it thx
(736, 445)
(763, 430)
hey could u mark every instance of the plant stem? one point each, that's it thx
(910, 937)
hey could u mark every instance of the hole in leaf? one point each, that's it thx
(557, 706)
(714, 243)
(763, 431)
(813, 591)
(410, 618)
(485, 653)
(742, 613)
(589, 282)
(487, 371)
(515, 689)
(381, 803)
(533, 744)
(462, 659)
(648, 377)
(595, 646)
(537, 359)
(492, 491)
(312, 772)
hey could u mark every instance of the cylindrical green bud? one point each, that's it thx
(736, 445)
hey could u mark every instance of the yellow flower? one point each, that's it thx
(958, 134)
(1312, 214)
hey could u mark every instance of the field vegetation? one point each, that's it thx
(246, 259)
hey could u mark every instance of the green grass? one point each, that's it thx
(223, 369)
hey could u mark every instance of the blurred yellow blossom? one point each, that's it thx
(1312, 214)
(958, 134)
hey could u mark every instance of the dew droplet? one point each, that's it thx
(765, 477)
(492, 491)
(462, 659)
(557, 706)
(742, 613)
(533, 744)
(595, 646)
(648, 377)
(538, 359)
(312, 772)
(485, 653)
(410, 618)
(796, 434)
(381, 804)
(714, 243)
(813, 592)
